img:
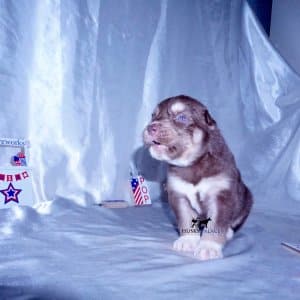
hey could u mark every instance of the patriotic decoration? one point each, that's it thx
(15, 187)
(140, 190)
(11, 194)
(136, 189)
(15, 177)
(19, 159)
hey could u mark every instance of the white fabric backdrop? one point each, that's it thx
(79, 79)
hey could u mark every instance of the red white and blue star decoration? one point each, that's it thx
(11, 194)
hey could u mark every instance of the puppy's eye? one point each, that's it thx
(182, 118)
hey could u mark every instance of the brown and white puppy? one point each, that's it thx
(203, 180)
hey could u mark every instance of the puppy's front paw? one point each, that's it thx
(208, 250)
(186, 243)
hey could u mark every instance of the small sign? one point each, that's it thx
(15, 176)
(140, 191)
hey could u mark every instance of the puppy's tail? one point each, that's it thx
(248, 202)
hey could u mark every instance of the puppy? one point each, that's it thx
(203, 180)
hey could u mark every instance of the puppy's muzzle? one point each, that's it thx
(153, 129)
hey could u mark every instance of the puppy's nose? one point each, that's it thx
(152, 128)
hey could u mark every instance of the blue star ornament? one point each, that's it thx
(11, 194)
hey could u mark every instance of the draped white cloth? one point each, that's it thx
(80, 79)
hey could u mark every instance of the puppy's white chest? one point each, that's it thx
(208, 187)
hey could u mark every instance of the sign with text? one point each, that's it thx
(140, 191)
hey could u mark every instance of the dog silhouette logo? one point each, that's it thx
(200, 224)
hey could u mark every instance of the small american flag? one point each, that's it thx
(136, 189)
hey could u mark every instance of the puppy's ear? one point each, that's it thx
(202, 118)
(209, 120)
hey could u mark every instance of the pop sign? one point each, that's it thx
(140, 190)
(15, 176)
